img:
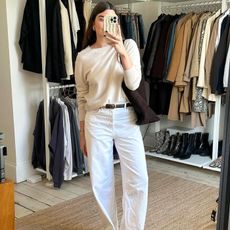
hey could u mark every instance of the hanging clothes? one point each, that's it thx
(193, 51)
(82, 22)
(68, 165)
(30, 41)
(66, 156)
(65, 32)
(74, 21)
(132, 27)
(56, 144)
(38, 154)
(55, 61)
(218, 64)
(78, 158)
(87, 6)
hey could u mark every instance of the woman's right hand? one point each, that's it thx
(83, 143)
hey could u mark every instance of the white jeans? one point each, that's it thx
(101, 128)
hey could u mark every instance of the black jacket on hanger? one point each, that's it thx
(151, 45)
(160, 54)
(218, 63)
(55, 63)
(38, 155)
(79, 7)
(30, 41)
(56, 144)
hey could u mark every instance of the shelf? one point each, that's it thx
(74, 174)
(194, 160)
(121, 2)
(211, 168)
(40, 170)
(116, 162)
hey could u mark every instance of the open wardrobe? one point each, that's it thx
(184, 54)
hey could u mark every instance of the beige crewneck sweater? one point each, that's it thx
(99, 75)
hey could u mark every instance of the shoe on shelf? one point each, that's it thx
(204, 148)
(197, 142)
(166, 143)
(171, 146)
(190, 149)
(216, 163)
(178, 146)
(158, 139)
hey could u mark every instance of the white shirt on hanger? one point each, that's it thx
(74, 20)
(66, 39)
(201, 79)
(68, 153)
(87, 11)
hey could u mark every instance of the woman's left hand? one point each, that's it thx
(116, 41)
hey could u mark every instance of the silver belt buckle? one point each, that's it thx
(110, 106)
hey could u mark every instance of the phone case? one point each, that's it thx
(110, 24)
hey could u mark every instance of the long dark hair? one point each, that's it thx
(90, 34)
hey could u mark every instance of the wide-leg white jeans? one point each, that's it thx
(101, 128)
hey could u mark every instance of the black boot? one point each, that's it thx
(184, 145)
(204, 149)
(197, 142)
(178, 146)
(171, 148)
(190, 149)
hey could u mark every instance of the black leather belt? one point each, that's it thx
(114, 106)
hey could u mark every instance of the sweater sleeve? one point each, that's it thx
(132, 76)
(82, 88)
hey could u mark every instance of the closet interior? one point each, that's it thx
(166, 128)
(186, 131)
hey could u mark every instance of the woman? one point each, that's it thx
(107, 117)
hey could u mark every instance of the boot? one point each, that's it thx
(190, 149)
(178, 146)
(204, 149)
(172, 144)
(171, 147)
(184, 145)
(157, 140)
(197, 142)
(166, 144)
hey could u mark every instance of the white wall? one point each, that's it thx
(6, 106)
(23, 97)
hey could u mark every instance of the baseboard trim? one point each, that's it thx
(19, 172)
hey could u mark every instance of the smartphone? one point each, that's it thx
(110, 23)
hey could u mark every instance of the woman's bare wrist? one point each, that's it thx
(82, 131)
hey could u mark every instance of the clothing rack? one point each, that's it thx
(47, 87)
(183, 7)
(121, 10)
(62, 86)
(191, 5)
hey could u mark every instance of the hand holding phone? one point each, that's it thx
(110, 24)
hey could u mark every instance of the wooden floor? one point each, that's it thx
(31, 197)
